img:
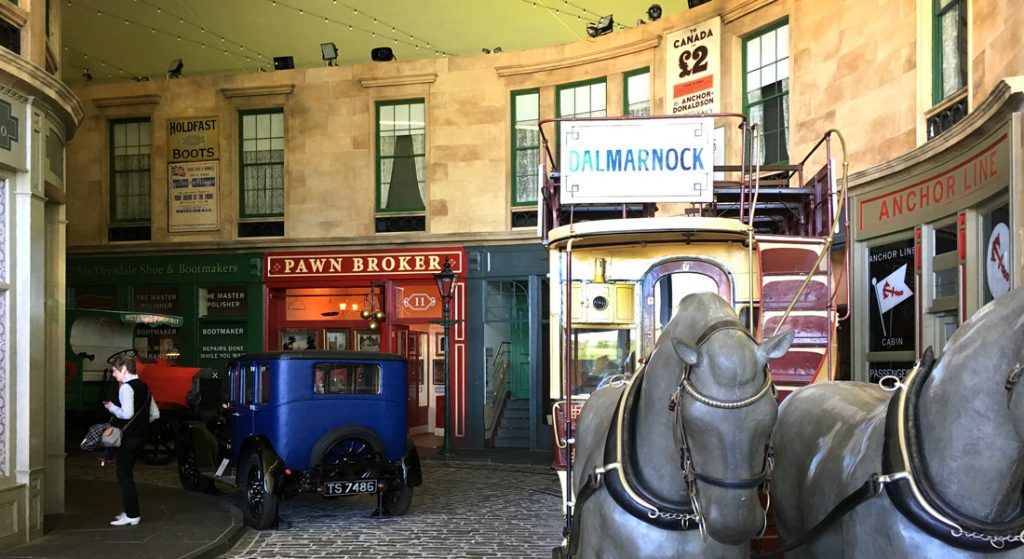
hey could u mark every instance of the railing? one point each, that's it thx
(496, 388)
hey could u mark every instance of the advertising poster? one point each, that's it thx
(192, 196)
(892, 303)
(693, 69)
(192, 139)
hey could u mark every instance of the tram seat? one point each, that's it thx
(796, 367)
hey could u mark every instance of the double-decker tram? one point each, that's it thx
(637, 215)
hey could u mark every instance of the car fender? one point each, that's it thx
(412, 472)
(343, 432)
(203, 441)
(273, 465)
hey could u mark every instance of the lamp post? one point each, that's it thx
(446, 280)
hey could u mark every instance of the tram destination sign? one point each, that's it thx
(621, 161)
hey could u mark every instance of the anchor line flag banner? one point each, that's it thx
(622, 161)
(892, 290)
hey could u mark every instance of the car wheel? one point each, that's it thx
(188, 471)
(159, 448)
(397, 499)
(260, 505)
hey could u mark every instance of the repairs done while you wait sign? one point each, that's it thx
(618, 161)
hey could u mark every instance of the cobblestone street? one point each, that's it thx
(462, 510)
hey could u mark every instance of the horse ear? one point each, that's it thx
(686, 352)
(777, 345)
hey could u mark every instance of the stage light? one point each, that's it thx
(603, 26)
(329, 53)
(174, 71)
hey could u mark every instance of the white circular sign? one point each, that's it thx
(997, 260)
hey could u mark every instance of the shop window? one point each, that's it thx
(637, 94)
(261, 169)
(892, 309)
(944, 268)
(401, 156)
(525, 147)
(996, 251)
(766, 90)
(129, 171)
(264, 392)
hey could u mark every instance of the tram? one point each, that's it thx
(637, 215)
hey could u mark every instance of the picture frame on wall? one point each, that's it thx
(439, 343)
(297, 339)
(367, 340)
(438, 371)
(336, 339)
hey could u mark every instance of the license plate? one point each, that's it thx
(349, 487)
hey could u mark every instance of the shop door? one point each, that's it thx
(403, 345)
(418, 405)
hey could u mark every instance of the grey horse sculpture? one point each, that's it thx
(705, 389)
(947, 445)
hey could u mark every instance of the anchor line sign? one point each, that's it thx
(997, 273)
(892, 289)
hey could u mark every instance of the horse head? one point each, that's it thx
(724, 411)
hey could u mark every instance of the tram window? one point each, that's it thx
(671, 288)
(601, 355)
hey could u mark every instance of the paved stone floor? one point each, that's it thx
(462, 510)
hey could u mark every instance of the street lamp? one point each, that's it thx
(446, 280)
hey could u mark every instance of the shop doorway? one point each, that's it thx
(507, 365)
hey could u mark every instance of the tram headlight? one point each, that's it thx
(600, 303)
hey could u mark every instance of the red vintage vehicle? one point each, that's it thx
(94, 339)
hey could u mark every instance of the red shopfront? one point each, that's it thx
(375, 300)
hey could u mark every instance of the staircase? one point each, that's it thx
(514, 425)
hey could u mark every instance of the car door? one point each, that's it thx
(244, 400)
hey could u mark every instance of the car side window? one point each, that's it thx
(346, 378)
(234, 377)
(264, 394)
(249, 384)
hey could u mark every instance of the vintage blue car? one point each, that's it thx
(330, 422)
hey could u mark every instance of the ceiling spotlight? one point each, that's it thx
(694, 3)
(174, 70)
(330, 53)
(140, 78)
(486, 50)
(654, 12)
(284, 63)
(496, 50)
(382, 54)
(86, 75)
(603, 26)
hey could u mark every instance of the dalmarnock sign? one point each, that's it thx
(661, 160)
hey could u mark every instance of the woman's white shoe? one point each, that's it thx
(119, 516)
(126, 521)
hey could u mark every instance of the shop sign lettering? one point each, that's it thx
(356, 264)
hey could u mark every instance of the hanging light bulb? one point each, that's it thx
(378, 316)
(366, 314)
(373, 325)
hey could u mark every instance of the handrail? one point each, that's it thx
(497, 379)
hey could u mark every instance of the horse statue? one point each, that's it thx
(946, 445)
(680, 451)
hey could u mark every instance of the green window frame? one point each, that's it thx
(582, 99)
(949, 48)
(130, 177)
(766, 89)
(401, 132)
(261, 141)
(636, 92)
(525, 147)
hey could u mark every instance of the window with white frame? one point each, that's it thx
(129, 170)
(766, 89)
(525, 147)
(261, 163)
(583, 99)
(401, 156)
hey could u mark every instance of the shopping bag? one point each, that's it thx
(93, 436)
(111, 437)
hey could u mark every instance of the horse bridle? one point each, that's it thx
(690, 474)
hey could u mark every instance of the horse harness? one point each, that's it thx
(910, 491)
(619, 477)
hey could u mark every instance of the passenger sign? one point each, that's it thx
(620, 161)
